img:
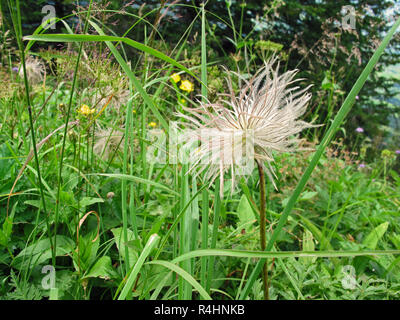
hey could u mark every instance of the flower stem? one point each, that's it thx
(262, 228)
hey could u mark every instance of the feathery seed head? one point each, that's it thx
(34, 70)
(239, 129)
(107, 141)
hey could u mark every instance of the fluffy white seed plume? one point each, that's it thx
(239, 129)
(35, 70)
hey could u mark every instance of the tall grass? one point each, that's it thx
(15, 12)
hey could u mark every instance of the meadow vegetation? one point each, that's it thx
(86, 212)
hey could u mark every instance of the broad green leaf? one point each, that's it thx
(316, 233)
(3, 239)
(159, 221)
(87, 201)
(245, 213)
(307, 195)
(395, 238)
(371, 240)
(154, 276)
(40, 252)
(102, 269)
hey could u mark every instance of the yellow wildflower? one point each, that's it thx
(175, 77)
(85, 110)
(152, 124)
(187, 86)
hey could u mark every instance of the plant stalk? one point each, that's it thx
(263, 221)
(16, 19)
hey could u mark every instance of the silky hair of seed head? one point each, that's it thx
(267, 106)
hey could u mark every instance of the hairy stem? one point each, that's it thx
(262, 228)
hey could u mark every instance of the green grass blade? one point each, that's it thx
(214, 235)
(204, 94)
(162, 280)
(150, 245)
(99, 38)
(280, 254)
(124, 188)
(184, 289)
(176, 221)
(128, 177)
(185, 275)
(134, 80)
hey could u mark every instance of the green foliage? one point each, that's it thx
(161, 232)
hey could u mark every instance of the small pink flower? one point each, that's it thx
(361, 165)
(360, 130)
(397, 152)
(356, 97)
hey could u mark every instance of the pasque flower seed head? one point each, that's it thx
(265, 114)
